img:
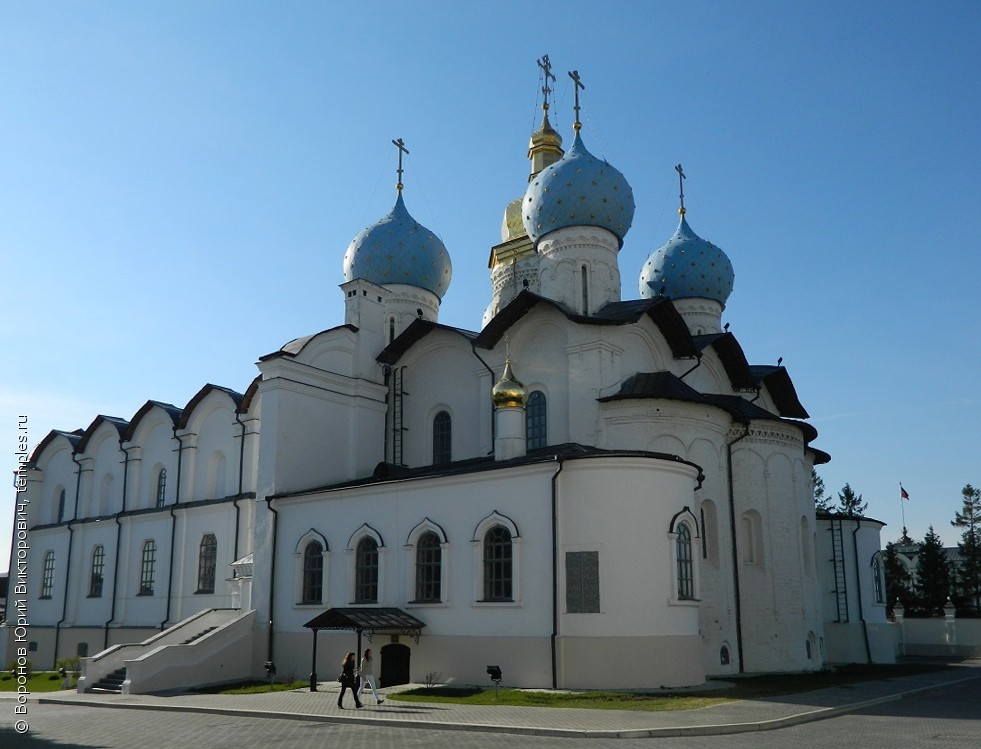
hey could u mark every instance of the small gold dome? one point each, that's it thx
(508, 392)
(545, 135)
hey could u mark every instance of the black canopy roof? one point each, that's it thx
(367, 620)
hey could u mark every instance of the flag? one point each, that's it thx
(902, 493)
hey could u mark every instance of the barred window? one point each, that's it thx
(442, 438)
(95, 578)
(582, 582)
(497, 564)
(207, 558)
(428, 567)
(366, 571)
(147, 567)
(536, 428)
(161, 487)
(686, 575)
(313, 573)
(47, 575)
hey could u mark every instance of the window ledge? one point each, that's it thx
(427, 604)
(685, 602)
(497, 604)
(205, 592)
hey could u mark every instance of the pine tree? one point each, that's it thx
(850, 504)
(899, 585)
(932, 576)
(967, 577)
(822, 503)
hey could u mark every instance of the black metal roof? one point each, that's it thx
(781, 389)
(417, 330)
(367, 619)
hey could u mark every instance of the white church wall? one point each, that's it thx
(84, 607)
(57, 475)
(155, 450)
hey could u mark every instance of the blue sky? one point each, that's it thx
(179, 182)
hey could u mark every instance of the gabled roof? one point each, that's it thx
(731, 355)
(73, 439)
(201, 395)
(172, 411)
(417, 330)
(294, 347)
(656, 385)
(781, 389)
(250, 392)
(119, 424)
(659, 310)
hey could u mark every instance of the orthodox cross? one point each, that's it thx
(546, 67)
(400, 144)
(574, 75)
(681, 188)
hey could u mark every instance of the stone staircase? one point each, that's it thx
(111, 683)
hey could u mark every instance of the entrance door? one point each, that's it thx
(394, 665)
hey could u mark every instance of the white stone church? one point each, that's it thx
(588, 491)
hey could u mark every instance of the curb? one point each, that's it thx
(718, 729)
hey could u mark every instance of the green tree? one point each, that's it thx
(850, 504)
(822, 502)
(899, 584)
(967, 575)
(932, 586)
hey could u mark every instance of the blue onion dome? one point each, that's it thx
(398, 249)
(578, 190)
(687, 266)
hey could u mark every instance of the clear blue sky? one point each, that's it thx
(179, 182)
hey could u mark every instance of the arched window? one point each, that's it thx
(161, 487)
(536, 428)
(442, 438)
(47, 575)
(313, 573)
(147, 567)
(584, 277)
(686, 573)
(877, 579)
(207, 558)
(498, 577)
(428, 567)
(61, 505)
(366, 571)
(98, 565)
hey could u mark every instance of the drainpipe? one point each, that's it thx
(735, 552)
(241, 481)
(555, 566)
(68, 562)
(119, 529)
(858, 587)
(272, 579)
(493, 422)
(173, 528)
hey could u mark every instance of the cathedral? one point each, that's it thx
(595, 489)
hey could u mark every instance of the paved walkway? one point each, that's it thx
(734, 717)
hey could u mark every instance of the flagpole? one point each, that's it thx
(902, 506)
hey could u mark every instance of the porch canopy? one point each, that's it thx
(370, 620)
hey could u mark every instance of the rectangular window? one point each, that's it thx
(582, 582)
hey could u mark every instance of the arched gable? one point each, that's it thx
(364, 531)
(311, 535)
(494, 519)
(425, 526)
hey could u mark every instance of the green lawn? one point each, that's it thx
(743, 688)
(43, 681)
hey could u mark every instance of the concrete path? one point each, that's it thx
(728, 718)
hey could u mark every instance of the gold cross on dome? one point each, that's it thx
(681, 188)
(400, 144)
(574, 75)
(546, 67)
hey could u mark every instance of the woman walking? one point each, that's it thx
(368, 676)
(347, 680)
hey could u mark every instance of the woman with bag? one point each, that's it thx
(347, 680)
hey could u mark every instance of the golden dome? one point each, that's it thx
(508, 392)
